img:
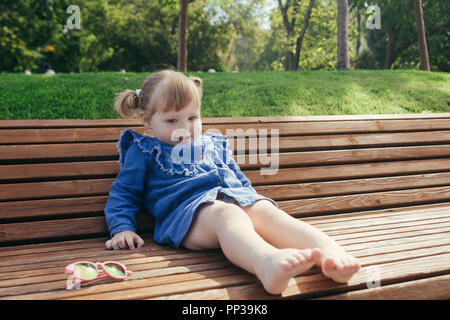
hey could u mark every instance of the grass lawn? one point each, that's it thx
(91, 95)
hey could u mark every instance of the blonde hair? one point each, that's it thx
(164, 91)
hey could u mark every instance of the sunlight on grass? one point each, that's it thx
(91, 95)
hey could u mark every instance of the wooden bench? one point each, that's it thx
(378, 184)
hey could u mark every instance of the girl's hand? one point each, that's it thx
(124, 240)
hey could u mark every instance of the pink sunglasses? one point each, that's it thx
(89, 271)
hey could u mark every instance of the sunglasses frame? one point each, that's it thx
(101, 272)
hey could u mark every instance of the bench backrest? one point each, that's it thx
(55, 175)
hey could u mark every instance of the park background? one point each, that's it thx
(271, 57)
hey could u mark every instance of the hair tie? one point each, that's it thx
(138, 91)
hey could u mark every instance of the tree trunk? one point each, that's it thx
(302, 35)
(182, 36)
(289, 61)
(342, 20)
(424, 62)
(389, 59)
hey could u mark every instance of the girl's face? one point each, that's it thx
(184, 126)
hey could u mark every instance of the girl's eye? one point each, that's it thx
(171, 120)
(193, 118)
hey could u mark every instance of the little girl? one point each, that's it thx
(207, 202)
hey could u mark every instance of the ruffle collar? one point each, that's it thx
(182, 159)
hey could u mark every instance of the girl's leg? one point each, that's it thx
(284, 231)
(227, 226)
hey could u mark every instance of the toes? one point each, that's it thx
(316, 254)
(301, 258)
(329, 264)
(307, 254)
(287, 264)
(339, 264)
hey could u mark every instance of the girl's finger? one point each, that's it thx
(139, 241)
(130, 241)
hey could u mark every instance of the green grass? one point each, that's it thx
(91, 95)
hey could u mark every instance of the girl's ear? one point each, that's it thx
(146, 119)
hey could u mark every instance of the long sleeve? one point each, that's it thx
(126, 192)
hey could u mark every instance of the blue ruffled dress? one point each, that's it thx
(173, 182)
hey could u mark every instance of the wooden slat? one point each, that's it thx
(15, 191)
(297, 208)
(97, 168)
(52, 229)
(33, 190)
(434, 288)
(58, 170)
(52, 207)
(77, 123)
(33, 136)
(308, 207)
(351, 171)
(342, 187)
(104, 149)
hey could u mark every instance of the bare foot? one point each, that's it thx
(277, 269)
(339, 266)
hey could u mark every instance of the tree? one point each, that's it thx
(291, 60)
(182, 36)
(423, 51)
(395, 45)
(343, 62)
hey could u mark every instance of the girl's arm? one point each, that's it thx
(126, 192)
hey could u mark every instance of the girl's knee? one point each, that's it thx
(224, 211)
(264, 211)
(209, 221)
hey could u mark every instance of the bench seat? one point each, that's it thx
(378, 184)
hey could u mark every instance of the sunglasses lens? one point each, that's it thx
(85, 271)
(115, 270)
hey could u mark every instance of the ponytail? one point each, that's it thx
(127, 103)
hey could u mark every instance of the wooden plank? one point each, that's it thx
(52, 229)
(334, 188)
(39, 190)
(54, 170)
(434, 288)
(333, 205)
(43, 190)
(298, 143)
(351, 171)
(296, 208)
(97, 168)
(389, 212)
(52, 207)
(71, 123)
(96, 134)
